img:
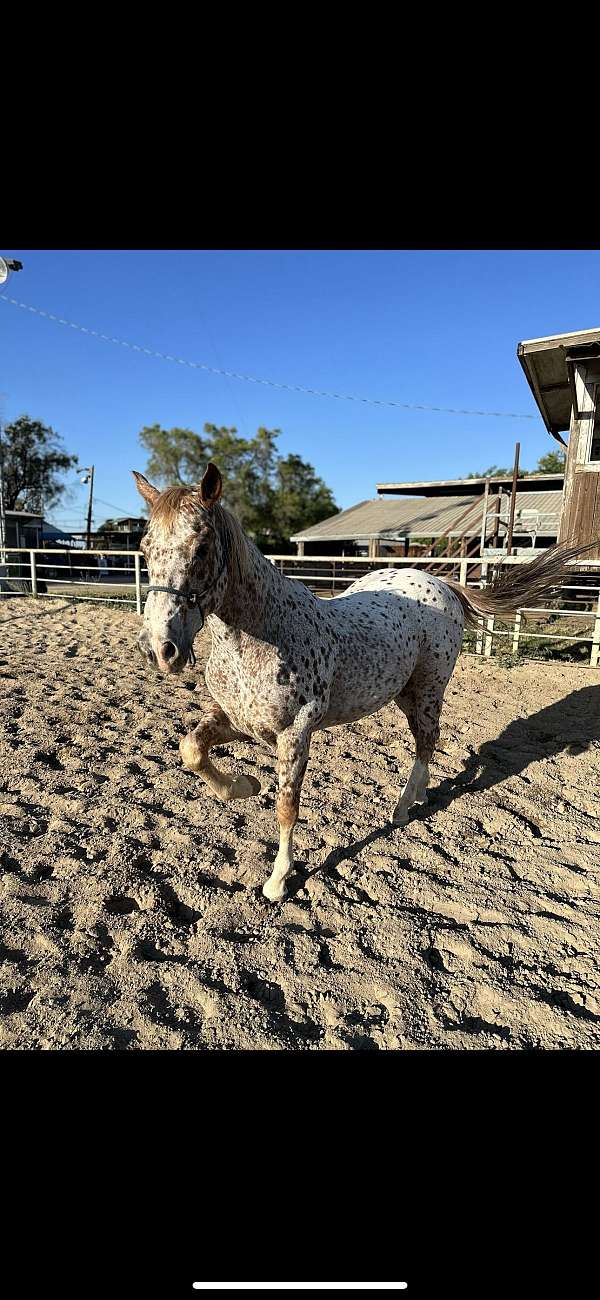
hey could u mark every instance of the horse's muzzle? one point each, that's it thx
(168, 658)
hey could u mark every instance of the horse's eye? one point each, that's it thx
(191, 600)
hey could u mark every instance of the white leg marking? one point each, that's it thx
(275, 889)
(414, 792)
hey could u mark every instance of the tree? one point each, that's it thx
(495, 471)
(33, 459)
(552, 463)
(301, 498)
(272, 496)
(177, 456)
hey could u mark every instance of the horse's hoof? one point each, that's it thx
(274, 893)
(243, 787)
(188, 750)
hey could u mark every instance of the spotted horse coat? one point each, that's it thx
(284, 663)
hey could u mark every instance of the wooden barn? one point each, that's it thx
(563, 372)
(456, 517)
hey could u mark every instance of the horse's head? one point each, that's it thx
(187, 566)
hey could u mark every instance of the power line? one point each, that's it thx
(252, 379)
(126, 513)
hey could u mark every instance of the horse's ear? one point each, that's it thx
(145, 488)
(211, 485)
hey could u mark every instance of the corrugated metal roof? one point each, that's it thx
(426, 518)
(22, 514)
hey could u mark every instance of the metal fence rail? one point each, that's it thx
(25, 575)
(323, 574)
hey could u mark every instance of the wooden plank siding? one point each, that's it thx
(580, 517)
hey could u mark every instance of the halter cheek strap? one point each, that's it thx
(192, 596)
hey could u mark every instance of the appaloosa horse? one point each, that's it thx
(284, 663)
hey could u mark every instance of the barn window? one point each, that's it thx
(595, 447)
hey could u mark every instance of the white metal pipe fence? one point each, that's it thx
(324, 574)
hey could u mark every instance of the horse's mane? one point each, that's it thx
(237, 546)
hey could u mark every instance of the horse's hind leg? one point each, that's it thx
(421, 701)
(194, 748)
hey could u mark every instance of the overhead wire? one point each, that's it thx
(253, 379)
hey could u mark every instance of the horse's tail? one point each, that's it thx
(520, 585)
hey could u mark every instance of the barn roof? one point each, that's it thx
(471, 486)
(457, 516)
(23, 514)
(548, 370)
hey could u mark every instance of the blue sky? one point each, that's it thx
(431, 327)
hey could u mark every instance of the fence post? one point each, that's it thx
(480, 621)
(333, 576)
(516, 632)
(488, 640)
(138, 583)
(462, 574)
(34, 590)
(595, 651)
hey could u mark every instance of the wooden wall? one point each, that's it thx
(580, 515)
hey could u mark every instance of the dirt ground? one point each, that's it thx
(131, 915)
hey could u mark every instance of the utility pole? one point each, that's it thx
(513, 499)
(88, 472)
(89, 513)
(7, 264)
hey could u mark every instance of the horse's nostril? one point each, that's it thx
(169, 650)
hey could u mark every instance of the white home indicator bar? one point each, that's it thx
(300, 1286)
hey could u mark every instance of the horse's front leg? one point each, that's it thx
(292, 757)
(194, 748)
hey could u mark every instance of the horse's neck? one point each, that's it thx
(255, 599)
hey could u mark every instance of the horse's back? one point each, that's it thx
(424, 588)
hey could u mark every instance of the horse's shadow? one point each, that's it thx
(569, 726)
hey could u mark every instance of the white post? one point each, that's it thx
(480, 623)
(484, 516)
(595, 651)
(462, 577)
(517, 632)
(487, 650)
(34, 590)
(138, 583)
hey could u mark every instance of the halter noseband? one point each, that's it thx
(191, 597)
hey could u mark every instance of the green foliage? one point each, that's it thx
(177, 456)
(301, 498)
(496, 471)
(552, 463)
(273, 496)
(33, 459)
